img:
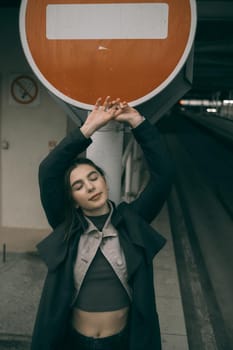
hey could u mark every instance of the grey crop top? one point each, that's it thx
(101, 289)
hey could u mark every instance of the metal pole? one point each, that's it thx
(106, 151)
(4, 253)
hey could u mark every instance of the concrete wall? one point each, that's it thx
(27, 132)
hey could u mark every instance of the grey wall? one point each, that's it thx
(28, 131)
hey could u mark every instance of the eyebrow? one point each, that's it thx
(80, 181)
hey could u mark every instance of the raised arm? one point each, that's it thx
(160, 166)
(52, 169)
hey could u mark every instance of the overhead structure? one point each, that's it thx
(81, 50)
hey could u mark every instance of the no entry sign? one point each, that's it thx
(81, 50)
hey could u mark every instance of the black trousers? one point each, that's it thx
(117, 341)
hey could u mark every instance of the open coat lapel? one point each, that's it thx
(137, 237)
(53, 249)
(140, 232)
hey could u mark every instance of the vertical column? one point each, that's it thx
(106, 151)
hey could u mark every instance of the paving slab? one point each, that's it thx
(22, 277)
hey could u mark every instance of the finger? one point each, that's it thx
(117, 110)
(112, 103)
(124, 104)
(118, 103)
(98, 103)
(112, 110)
(117, 113)
(106, 103)
(115, 103)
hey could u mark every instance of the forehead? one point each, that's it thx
(81, 171)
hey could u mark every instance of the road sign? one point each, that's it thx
(81, 50)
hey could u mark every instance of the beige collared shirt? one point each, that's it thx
(108, 242)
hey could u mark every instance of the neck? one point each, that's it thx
(98, 211)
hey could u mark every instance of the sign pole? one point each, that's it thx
(106, 151)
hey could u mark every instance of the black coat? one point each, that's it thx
(140, 243)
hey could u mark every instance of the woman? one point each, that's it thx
(99, 293)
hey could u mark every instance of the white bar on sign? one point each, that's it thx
(107, 21)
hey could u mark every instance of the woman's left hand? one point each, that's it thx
(126, 114)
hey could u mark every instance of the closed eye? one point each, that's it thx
(78, 184)
(93, 177)
(77, 187)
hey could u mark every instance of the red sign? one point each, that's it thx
(81, 50)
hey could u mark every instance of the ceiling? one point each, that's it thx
(213, 50)
(213, 54)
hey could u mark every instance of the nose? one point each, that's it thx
(90, 186)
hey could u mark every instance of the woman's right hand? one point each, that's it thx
(99, 116)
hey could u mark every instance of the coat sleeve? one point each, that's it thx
(152, 198)
(52, 171)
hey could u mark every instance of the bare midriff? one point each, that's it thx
(99, 324)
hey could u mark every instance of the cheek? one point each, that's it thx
(78, 197)
(104, 184)
(104, 187)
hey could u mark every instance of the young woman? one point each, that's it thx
(99, 293)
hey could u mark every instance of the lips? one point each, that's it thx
(95, 196)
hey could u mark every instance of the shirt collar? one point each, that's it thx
(108, 230)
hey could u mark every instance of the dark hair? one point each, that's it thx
(70, 209)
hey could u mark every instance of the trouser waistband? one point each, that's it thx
(118, 341)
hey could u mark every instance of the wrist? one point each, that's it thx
(86, 130)
(136, 121)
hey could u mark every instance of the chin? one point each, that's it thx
(98, 205)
